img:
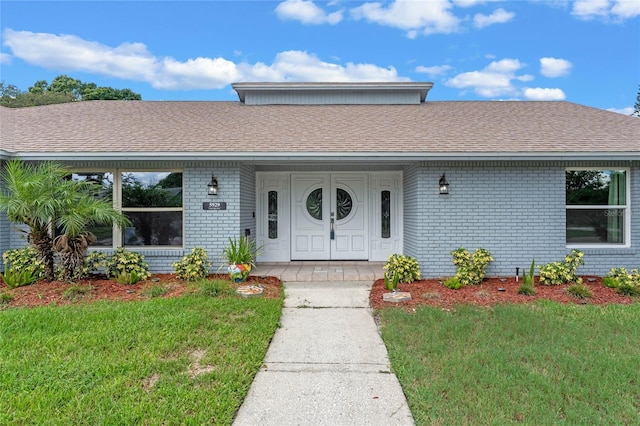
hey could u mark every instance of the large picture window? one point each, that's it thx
(597, 207)
(103, 233)
(153, 202)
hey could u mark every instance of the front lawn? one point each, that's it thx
(541, 363)
(183, 360)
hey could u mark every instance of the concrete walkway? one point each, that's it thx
(327, 364)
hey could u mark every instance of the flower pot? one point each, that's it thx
(239, 272)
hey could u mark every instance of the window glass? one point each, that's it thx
(596, 206)
(314, 204)
(273, 215)
(386, 214)
(151, 189)
(103, 233)
(160, 228)
(153, 203)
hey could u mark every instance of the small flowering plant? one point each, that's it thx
(403, 268)
(471, 267)
(193, 266)
(558, 273)
(127, 266)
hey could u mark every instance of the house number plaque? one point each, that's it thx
(215, 205)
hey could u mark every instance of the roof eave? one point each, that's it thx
(318, 157)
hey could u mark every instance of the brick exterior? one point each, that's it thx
(516, 210)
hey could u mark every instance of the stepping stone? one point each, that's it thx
(250, 290)
(398, 296)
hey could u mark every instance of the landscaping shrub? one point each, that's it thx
(23, 266)
(627, 283)
(405, 267)
(471, 267)
(453, 283)
(127, 266)
(558, 273)
(193, 266)
(579, 290)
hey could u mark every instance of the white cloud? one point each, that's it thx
(195, 74)
(433, 71)
(499, 16)
(543, 94)
(132, 61)
(306, 12)
(554, 67)
(128, 60)
(302, 66)
(616, 10)
(625, 111)
(426, 17)
(495, 80)
(5, 58)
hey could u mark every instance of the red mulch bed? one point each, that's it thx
(48, 293)
(432, 292)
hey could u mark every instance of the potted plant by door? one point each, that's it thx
(240, 255)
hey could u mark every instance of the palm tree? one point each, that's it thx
(84, 206)
(42, 197)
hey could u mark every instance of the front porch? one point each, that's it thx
(321, 270)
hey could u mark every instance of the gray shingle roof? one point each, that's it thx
(439, 129)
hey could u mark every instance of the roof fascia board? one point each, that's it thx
(326, 156)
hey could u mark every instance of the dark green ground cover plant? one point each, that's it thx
(542, 363)
(182, 360)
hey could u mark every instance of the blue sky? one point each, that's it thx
(582, 51)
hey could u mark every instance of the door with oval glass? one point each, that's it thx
(329, 219)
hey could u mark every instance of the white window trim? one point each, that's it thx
(117, 204)
(626, 208)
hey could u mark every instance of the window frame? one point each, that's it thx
(626, 209)
(116, 197)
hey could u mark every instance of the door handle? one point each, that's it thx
(332, 233)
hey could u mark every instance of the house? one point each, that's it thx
(352, 171)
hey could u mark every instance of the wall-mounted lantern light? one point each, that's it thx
(212, 187)
(444, 185)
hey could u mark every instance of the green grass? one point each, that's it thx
(543, 363)
(186, 360)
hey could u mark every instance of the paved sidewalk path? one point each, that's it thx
(327, 364)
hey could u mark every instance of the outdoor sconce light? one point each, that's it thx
(212, 187)
(444, 185)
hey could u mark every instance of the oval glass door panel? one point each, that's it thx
(344, 204)
(314, 204)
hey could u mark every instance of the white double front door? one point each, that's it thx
(328, 216)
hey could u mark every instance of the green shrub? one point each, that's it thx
(471, 267)
(93, 262)
(558, 273)
(23, 265)
(13, 278)
(627, 283)
(405, 267)
(453, 283)
(579, 290)
(127, 266)
(193, 266)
